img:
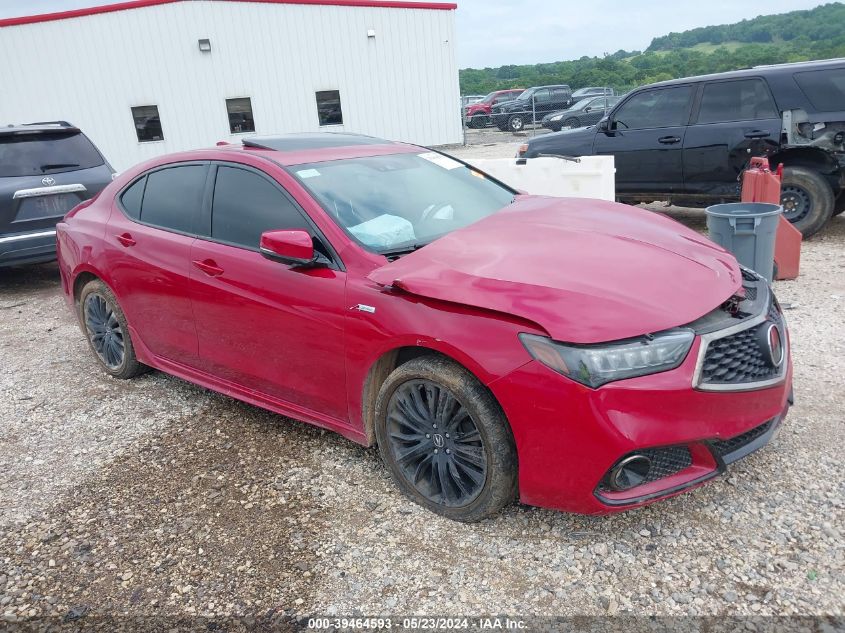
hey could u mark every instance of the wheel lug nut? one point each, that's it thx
(436, 451)
(448, 451)
(434, 426)
(428, 436)
(447, 435)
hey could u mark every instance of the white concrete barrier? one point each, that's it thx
(592, 177)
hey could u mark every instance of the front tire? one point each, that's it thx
(571, 123)
(445, 440)
(107, 331)
(516, 123)
(807, 199)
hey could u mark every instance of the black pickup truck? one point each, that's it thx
(687, 141)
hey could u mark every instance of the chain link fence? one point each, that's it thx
(509, 115)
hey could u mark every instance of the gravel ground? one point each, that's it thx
(156, 498)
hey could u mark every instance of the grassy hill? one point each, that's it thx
(769, 39)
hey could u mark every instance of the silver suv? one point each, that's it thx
(46, 169)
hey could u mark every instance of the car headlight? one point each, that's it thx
(557, 117)
(596, 365)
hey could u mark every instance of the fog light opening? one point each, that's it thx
(630, 472)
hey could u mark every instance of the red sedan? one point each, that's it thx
(574, 354)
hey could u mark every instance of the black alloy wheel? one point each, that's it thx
(436, 443)
(445, 439)
(107, 332)
(104, 331)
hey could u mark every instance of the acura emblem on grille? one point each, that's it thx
(47, 181)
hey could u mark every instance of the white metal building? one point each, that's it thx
(148, 77)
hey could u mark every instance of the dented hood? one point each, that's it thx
(586, 271)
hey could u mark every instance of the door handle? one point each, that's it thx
(209, 267)
(669, 140)
(125, 239)
(757, 134)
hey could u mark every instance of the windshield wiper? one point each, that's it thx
(57, 166)
(403, 250)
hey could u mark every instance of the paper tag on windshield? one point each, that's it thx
(307, 173)
(439, 159)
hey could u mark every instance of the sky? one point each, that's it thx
(496, 32)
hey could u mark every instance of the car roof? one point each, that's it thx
(39, 127)
(298, 149)
(757, 71)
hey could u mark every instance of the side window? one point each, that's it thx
(542, 96)
(131, 198)
(824, 88)
(246, 204)
(744, 100)
(172, 197)
(663, 107)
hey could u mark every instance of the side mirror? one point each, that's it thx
(604, 124)
(588, 109)
(290, 247)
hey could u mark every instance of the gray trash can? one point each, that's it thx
(746, 229)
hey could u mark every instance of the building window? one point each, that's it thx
(240, 115)
(147, 123)
(328, 107)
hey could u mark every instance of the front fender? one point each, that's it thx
(486, 343)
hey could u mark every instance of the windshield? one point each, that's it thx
(582, 104)
(46, 153)
(401, 200)
(525, 94)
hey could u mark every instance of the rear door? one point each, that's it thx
(148, 238)
(43, 175)
(733, 121)
(645, 136)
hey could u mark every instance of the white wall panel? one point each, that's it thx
(90, 70)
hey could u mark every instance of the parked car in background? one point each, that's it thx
(467, 99)
(477, 114)
(578, 354)
(688, 140)
(45, 170)
(582, 93)
(534, 102)
(585, 112)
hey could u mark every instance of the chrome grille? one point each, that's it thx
(736, 358)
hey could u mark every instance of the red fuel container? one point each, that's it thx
(760, 184)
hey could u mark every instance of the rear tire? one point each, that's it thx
(807, 199)
(107, 331)
(445, 440)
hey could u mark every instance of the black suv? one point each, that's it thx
(46, 169)
(688, 140)
(531, 106)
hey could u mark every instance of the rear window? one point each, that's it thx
(824, 88)
(31, 154)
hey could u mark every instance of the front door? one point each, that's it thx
(267, 326)
(645, 136)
